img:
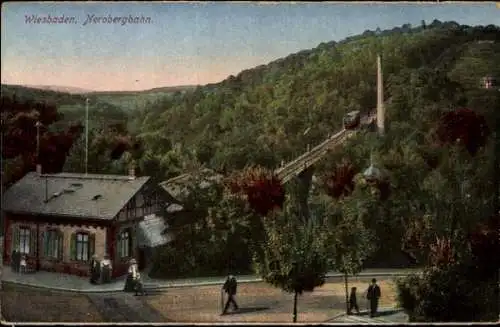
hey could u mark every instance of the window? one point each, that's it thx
(148, 199)
(82, 247)
(139, 200)
(125, 243)
(53, 243)
(148, 203)
(24, 240)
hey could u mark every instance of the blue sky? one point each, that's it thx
(189, 43)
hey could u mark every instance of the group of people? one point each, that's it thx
(373, 295)
(19, 262)
(100, 271)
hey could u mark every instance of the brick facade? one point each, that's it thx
(52, 237)
(105, 243)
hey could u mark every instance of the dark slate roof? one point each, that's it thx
(178, 186)
(75, 195)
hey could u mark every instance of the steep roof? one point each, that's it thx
(75, 195)
(178, 186)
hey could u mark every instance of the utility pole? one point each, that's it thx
(1, 189)
(86, 135)
(38, 125)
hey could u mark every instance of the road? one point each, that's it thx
(384, 317)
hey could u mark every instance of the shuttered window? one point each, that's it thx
(53, 244)
(82, 246)
(24, 240)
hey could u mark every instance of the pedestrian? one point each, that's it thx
(95, 270)
(106, 269)
(134, 278)
(139, 287)
(230, 287)
(15, 260)
(353, 302)
(130, 281)
(23, 264)
(373, 295)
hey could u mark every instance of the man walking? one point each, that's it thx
(230, 287)
(373, 295)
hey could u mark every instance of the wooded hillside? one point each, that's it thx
(260, 115)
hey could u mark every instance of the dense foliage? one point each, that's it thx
(340, 182)
(214, 233)
(262, 189)
(25, 143)
(274, 104)
(464, 126)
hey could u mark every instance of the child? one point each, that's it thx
(139, 287)
(353, 302)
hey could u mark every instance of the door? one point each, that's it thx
(142, 259)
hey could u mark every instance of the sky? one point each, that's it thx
(166, 44)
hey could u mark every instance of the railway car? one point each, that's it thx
(352, 120)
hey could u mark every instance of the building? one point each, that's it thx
(488, 82)
(60, 220)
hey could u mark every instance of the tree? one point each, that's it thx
(445, 291)
(263, 191)
(111, 150)
(214, 232)
(294, 255)
(353, 243)
(20, 146)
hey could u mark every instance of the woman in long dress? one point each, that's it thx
(95, 270)
(106, 269)
(130, 281)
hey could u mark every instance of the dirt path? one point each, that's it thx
(124, 307)
(260, 302)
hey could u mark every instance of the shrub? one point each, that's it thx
(445, 294)
(263, 190)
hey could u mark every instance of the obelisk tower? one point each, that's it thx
(380, 98)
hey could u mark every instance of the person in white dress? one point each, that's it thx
(23, 264)
(106, 269)
(135, 278)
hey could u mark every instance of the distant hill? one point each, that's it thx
(56, 88)
(78, 90)
(72, 98)
(72, 106)
(166, 89)
(133, 100)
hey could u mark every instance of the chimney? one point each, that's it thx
(39, 169)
